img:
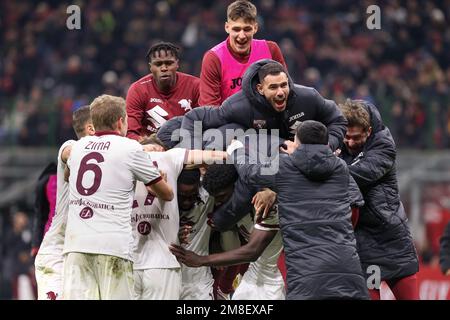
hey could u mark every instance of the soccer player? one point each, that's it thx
(262, 280)
(103, 171)
(268, 100)
(315, 221)
(382, 233)
(224, 65)
(156, 224)
(195, 204)
(49, 260)
(161, 95)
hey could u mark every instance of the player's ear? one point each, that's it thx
(259, 87)
(89, 129)
(227, 27)
(369, 132)
(255, 26)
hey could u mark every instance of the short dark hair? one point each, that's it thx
(165, 46)
(189, 177)
(80, 118)
(312, 132)
(242, 9)
(219, 177)
(272, 68)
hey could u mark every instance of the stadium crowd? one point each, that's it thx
(46, 70)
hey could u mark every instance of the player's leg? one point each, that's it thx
(80, 282)
(405, 288)
(161, 284)
(229, 240)
(196, 284)
(138, 284)
(115, 277)
(48, 271)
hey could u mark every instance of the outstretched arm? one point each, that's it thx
(258, 241)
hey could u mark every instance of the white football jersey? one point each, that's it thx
(265, 269)
(103, 173)
(156, 223)
(198, 238)
(53, 242)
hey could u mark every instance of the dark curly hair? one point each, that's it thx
(219, 177)
(164, 46)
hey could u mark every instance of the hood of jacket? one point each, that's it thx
(249, 82)
(316, 161)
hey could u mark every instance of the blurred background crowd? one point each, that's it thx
(47, 70)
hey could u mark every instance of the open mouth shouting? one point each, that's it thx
(279, 103)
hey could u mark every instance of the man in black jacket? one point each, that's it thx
(445, 251)
(314, 199)
(268, 100)
(382, 233)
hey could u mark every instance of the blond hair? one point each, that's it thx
(106, 110)
(356, 114)
(242, 9)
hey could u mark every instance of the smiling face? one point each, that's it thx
(275, 88)
(355, 139)
(163, 66)
(241, 35)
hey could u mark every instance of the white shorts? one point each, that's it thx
(49, 272)
(196, 283)
(97, 277)
(249, 289)
(157, 284)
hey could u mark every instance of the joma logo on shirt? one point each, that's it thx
(156, 100)
(237, 82)
(296, 116)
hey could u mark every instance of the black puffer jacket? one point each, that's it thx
(314, 209)
(251, 110)
(382, 233)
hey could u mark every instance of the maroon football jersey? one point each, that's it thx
(148, 109)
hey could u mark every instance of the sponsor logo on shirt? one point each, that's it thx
(144, 228)
(155, 100)
(86, 213)
(157, 116)
(259, 124)
(296, 116)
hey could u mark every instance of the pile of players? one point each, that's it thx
(150, 207)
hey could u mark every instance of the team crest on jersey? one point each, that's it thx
(259, 124)
(185, 104)
(144, 228)
(86, 213)
(51, 295)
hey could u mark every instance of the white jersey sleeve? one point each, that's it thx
(140, 162)
(271, 222)
(53, 241)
